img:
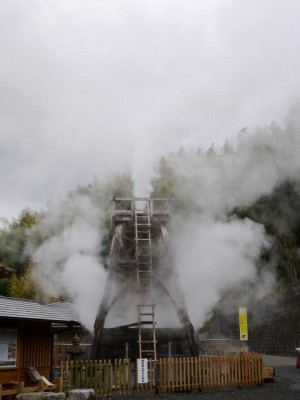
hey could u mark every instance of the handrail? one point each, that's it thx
(129, 204)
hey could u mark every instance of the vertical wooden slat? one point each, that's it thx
(116, 382)
(105, 377)
(71, 375)
(189, 373)
(178, 369)
(96, 376)
(41, 356)
(199, 380)
(204, 370)
(67, 377)
(120, 375)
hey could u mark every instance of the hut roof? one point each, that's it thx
(12, 308)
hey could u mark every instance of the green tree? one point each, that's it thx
(164, 185)
(278, 212)
(13, 239)
(228, 148)
(24, 286)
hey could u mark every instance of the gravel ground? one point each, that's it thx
(279, 389)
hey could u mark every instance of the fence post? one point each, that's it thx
(41, 385)
(157, 382)
(59, 384)
(20, 387)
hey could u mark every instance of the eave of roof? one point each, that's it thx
(24, 309)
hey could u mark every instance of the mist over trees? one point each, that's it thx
(84, 207)
(255, 179)
(277, 212)
(243, 197)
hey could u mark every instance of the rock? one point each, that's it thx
(81, 394)
(41, 396)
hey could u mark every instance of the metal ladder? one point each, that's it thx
(145, 306)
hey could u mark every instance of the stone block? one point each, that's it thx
(81, 394)
(41, 396)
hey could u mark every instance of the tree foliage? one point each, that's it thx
(13, 236)
(24, 286)
(279, 213)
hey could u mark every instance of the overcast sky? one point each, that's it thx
(91, 86)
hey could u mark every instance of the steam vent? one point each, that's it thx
(138, 257)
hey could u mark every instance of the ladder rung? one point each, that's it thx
(147, 322)
(148, 351)
(147, 331)
(148, 341)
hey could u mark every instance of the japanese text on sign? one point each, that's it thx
(243, 323)
(142, 370)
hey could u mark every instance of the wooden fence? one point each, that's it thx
(164, 375)
(102, 376)
(196, 373)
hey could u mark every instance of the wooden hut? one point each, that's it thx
(26, 338)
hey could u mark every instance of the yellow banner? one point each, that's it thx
(243, 323)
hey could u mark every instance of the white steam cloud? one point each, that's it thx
(213, 256)
(68, 262)
(214, 251)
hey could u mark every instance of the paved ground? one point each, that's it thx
(278, 390)
(285, 367)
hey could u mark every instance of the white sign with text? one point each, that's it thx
(142, 370)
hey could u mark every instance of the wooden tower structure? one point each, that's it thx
(139, 244)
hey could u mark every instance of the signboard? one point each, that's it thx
(142, 370)
(243, 323)
(8, 347)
